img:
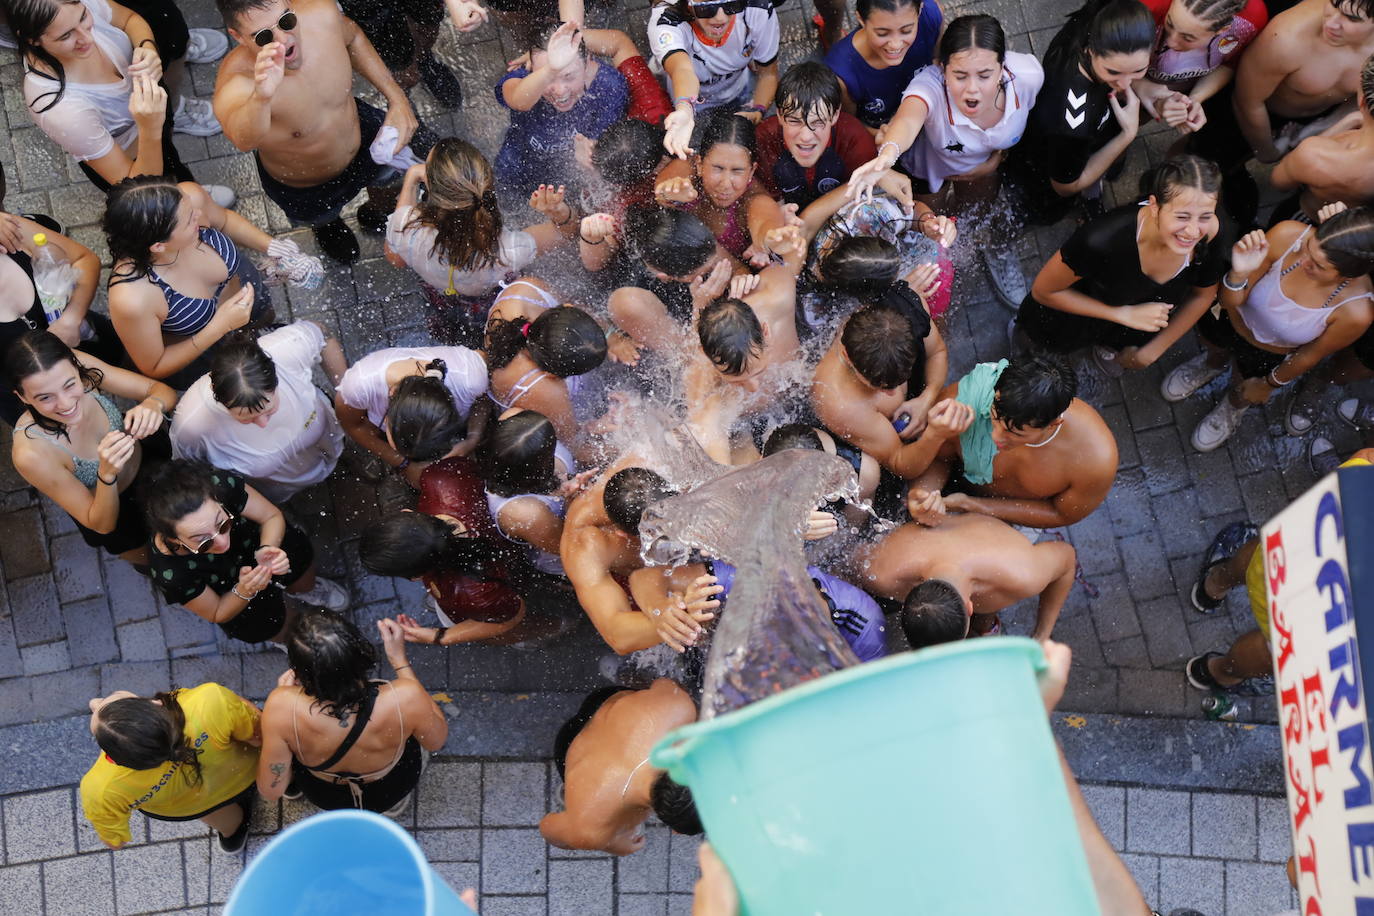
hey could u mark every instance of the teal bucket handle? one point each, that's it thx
(676, 746)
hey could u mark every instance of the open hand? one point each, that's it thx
(925, 282)
(466, 15)
(1248, 253)
(551, 201)
(12, 235)
(563, 46)
(680, 190)
(677, 132)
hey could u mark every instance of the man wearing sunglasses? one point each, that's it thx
(286, 92)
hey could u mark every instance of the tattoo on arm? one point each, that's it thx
(277, 770)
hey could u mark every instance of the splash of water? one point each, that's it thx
(777, 632)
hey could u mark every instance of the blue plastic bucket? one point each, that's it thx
(925, 783)
(342, 862)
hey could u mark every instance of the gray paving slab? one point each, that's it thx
(1224, 826)
(1195, 883)
(513, 794)
(1157, 821)
(580, 886)
(513, 862)
(80, 885)
(39, 826)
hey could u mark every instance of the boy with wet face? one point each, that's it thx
(811, 145)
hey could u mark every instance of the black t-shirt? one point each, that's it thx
(1071, 120)
(1105, 254)
(182, 576)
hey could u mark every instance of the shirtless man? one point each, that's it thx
(1334, 165)
(1053, 459)
(955, 577)
(602, 753)
(286, 92)
(861, 383)
(755, 327)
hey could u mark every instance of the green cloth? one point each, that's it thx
(976, 390)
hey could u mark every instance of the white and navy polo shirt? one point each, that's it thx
(722, 69)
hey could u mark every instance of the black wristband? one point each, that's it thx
(108, 483)
(439, 634)
(148, 41)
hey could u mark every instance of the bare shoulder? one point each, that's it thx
(1093, 441)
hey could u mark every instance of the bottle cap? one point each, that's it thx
(40, 238)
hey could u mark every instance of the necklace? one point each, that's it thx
(1047, 441)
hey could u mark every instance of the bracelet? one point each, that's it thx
(586, 241)
(235, 589)
(108, 483)
(398, 670)
(887, 143)
(405, 463)
(692, 100)
(1226, 282)
(439, 634)
(611, 331)
(1273, 380)
(148, 41)
(755, 107)
(566, 221)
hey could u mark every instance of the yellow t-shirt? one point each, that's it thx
(218, 723)
(1256, 586)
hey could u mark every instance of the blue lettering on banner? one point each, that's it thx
(1352, 737)
(1332, 580)
(1361, 842)
(1344, 660)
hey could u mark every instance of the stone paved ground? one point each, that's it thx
(74, 624)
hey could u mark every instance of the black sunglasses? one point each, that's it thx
(708, 10)
(222, 527)
(286, 23)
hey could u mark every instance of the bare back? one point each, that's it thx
(316, 735)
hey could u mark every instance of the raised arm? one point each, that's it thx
(606, 603)
(243, 98)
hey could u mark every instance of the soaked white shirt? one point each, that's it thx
(415, 245)
(302, 440)
(364, 384)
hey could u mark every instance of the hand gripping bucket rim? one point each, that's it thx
(438, 898)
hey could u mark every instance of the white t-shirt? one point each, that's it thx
(950, 143)
(300, 444)
(723, 70)
(364, 384)
(90, 118)
(415, 245)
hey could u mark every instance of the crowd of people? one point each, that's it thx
(764, 256)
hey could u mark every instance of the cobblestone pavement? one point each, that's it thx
(74, 623)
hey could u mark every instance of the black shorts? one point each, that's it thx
(265, 615)
(1221, 138)
(386, 25)
(1250, 359)
(243, 799)
(1062, 332)
(573, 727)
(1364, 349)
(676, 297)
(378, 796)
(315, 206)
(130, 531)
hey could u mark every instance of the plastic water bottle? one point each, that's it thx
(54, 277)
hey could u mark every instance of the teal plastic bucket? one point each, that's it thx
(925, 783)
(339, 863)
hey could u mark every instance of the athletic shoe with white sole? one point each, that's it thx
(1188, 378)
(1005, 276)
(325, 594)
(222, 195)
(1214, 429)
(1322, 456)
(1357, 413)
(206, 46)
(195, 117)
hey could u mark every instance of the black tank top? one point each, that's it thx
(11, 408)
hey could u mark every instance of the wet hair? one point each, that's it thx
(140, 212)
(1034, 390)
(934, 613)
(460, 206)
(730, 335)
(1360, 9)
(423, 420)
(880, 345)
(171, 491)
(724, 127)
(967, 33)
(539, 41)
(673, 804)
(1177, 174)
(39, 351)
(1347, 240)
(792, 435)
(670, 241)
(242, 375)
(231, 10)
(517, 456)
(865, 7)
(862, 266)
(629, 492)
(331, 660)
(412, 544)
(1215, 14)
(628, 152)
(807, 90)
(1102, 27)
(563, 341)
(29, 19)
(144, 734)
(1366, 87)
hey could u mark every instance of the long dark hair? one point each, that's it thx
(1177, 174)
(139, 212)
(172, 491)
(138, 733)
(724, 126)
(423, 420)
(242, 375)
(460, 206)
(29, 19)
(412, 544)
(1347, 240)
(1101, 27)
(517, 456)
(331, 660)
(39, 351)
(563, 341)
(980, 32)
(668, 240)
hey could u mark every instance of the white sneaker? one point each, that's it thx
(1005, 276)
(1188, 378)
(1215, 428)
(206, 46)
(325, 594)
(221, 195)
(195, 117)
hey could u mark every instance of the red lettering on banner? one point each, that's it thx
(1300, 794)
(1291, 715)
(1279, 624)
(1315, 699)
(1276, 568)
(1307, 864)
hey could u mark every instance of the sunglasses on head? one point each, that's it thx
(206, 543)
(286, 23)
(708, 10)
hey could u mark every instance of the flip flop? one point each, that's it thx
(1228, 540)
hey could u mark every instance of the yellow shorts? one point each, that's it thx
(1257, 589)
